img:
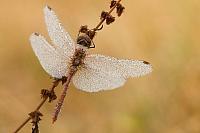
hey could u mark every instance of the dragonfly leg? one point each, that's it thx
(93, 45)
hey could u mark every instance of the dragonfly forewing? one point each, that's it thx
(60, 38)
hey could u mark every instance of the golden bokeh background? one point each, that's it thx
(163, 32)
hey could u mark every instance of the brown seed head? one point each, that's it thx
(120, 9)
(110, 19)
(113, 2)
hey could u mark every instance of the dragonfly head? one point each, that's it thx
(84, 40)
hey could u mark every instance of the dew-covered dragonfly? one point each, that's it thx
(88, 72)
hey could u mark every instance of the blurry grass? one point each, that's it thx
(165, 33)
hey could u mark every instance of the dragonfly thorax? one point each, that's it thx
(84, 40)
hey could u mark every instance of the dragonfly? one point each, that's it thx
(64, 57)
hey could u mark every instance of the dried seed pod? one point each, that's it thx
(110, 19)
(120, 9)
(35, 116)
(104, 15)
(44, 93)
(48, 94)
(113, 2)
(52, 96)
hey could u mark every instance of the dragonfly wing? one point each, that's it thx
(50, 59)
(60, 38)
(135, 68)
(106, 73)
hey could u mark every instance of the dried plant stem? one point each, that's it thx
(22, 125)
(55, 84)
(111, 10)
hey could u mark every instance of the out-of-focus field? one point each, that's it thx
(163, 32)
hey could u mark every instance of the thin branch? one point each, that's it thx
(22, 125)
(55, 84)
(105, 16)
(111, 10)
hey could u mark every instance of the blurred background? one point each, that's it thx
(163, 32)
